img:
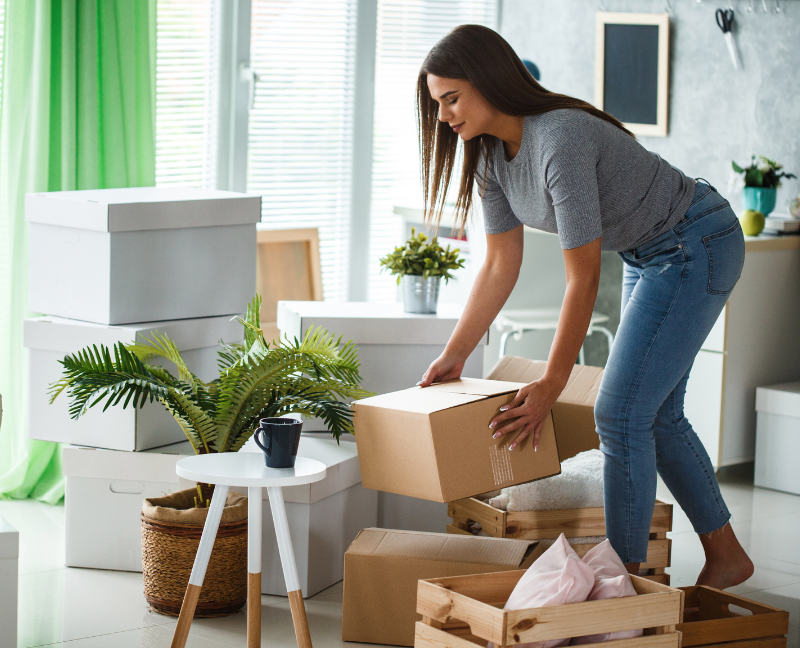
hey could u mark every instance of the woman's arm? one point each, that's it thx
(529, 409)
(493, 285)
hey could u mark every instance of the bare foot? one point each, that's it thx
(724, 575)
(727, 563)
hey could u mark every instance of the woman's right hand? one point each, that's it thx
(444, 368)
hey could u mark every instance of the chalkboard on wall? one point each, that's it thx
(632, 70)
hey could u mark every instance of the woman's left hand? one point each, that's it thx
(526, 413)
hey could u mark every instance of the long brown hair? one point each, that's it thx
(482, 57)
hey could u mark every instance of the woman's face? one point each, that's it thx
(461, 106)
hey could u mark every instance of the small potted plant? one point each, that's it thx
(257, 380)
(761, 179)
(420, 264)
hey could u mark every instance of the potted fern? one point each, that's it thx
(420, 264)
(257, 379)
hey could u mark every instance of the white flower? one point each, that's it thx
(763, 166)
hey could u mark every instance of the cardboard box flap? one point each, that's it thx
(517, 369)
(476, 387)
(441, 547)
(582, 386)
(441, 396)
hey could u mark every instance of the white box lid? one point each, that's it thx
(50, 333)
(783, 399)
(158, 465)
(153, 465)
(142, 208)
(9, 540)
(371, 322)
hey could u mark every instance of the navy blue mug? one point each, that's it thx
(281, 438)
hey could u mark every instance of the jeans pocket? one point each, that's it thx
(725, 259)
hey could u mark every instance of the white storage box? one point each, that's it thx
(105, 490)
(9, 580)
(778, 437)
(395, 349)
(116, 256)
(49, 339)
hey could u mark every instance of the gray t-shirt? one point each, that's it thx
(581, 177)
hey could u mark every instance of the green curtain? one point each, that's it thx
(77, 112)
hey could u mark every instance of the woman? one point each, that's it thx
(560, 165)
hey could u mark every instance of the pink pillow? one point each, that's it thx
(611, 581)
(559, 576)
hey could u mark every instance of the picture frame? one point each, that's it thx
(287, 268)
(632, 70)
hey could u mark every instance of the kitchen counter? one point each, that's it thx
(768, 243)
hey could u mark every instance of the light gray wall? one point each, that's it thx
(716, 113)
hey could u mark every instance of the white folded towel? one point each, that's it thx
(580, 485)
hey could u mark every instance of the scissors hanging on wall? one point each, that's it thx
(725, 19)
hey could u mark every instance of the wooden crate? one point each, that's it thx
(709, 621)
(541, 525)
(462, 611)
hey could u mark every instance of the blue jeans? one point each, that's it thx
(674, 288)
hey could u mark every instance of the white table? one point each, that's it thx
(247, 469)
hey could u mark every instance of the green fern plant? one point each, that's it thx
(314, 377)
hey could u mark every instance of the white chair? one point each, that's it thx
(518, 321)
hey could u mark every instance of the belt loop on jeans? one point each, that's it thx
(713, 188)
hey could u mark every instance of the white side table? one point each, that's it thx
(247, 469)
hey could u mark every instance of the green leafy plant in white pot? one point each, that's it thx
(762, 177)
(420, 265)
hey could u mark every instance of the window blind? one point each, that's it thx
(187, 84)
(300, 130)
(407, 30)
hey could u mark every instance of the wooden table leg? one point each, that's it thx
(198, 574)
(289, 567)
(254, 507)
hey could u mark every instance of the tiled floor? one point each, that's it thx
(85, 608)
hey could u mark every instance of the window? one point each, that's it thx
(407, 30)
(300, 135)
(301, 124)
(186, 92)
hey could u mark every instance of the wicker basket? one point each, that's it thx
(171, 530)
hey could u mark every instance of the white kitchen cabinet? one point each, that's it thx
(755, 342)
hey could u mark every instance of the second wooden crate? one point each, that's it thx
(709, 621)
(465, 611)
(573, 523)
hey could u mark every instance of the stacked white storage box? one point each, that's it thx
(105, 489)
(123, 264)
(9, 581)
(394, 348)
(778, 437)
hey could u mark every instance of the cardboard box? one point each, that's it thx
(778, 437)
(573, 413)
(382, 569)
(435, 443)
(395, 349)
(49, 339)
(9, 578)
(105, 490)
(142, 254)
